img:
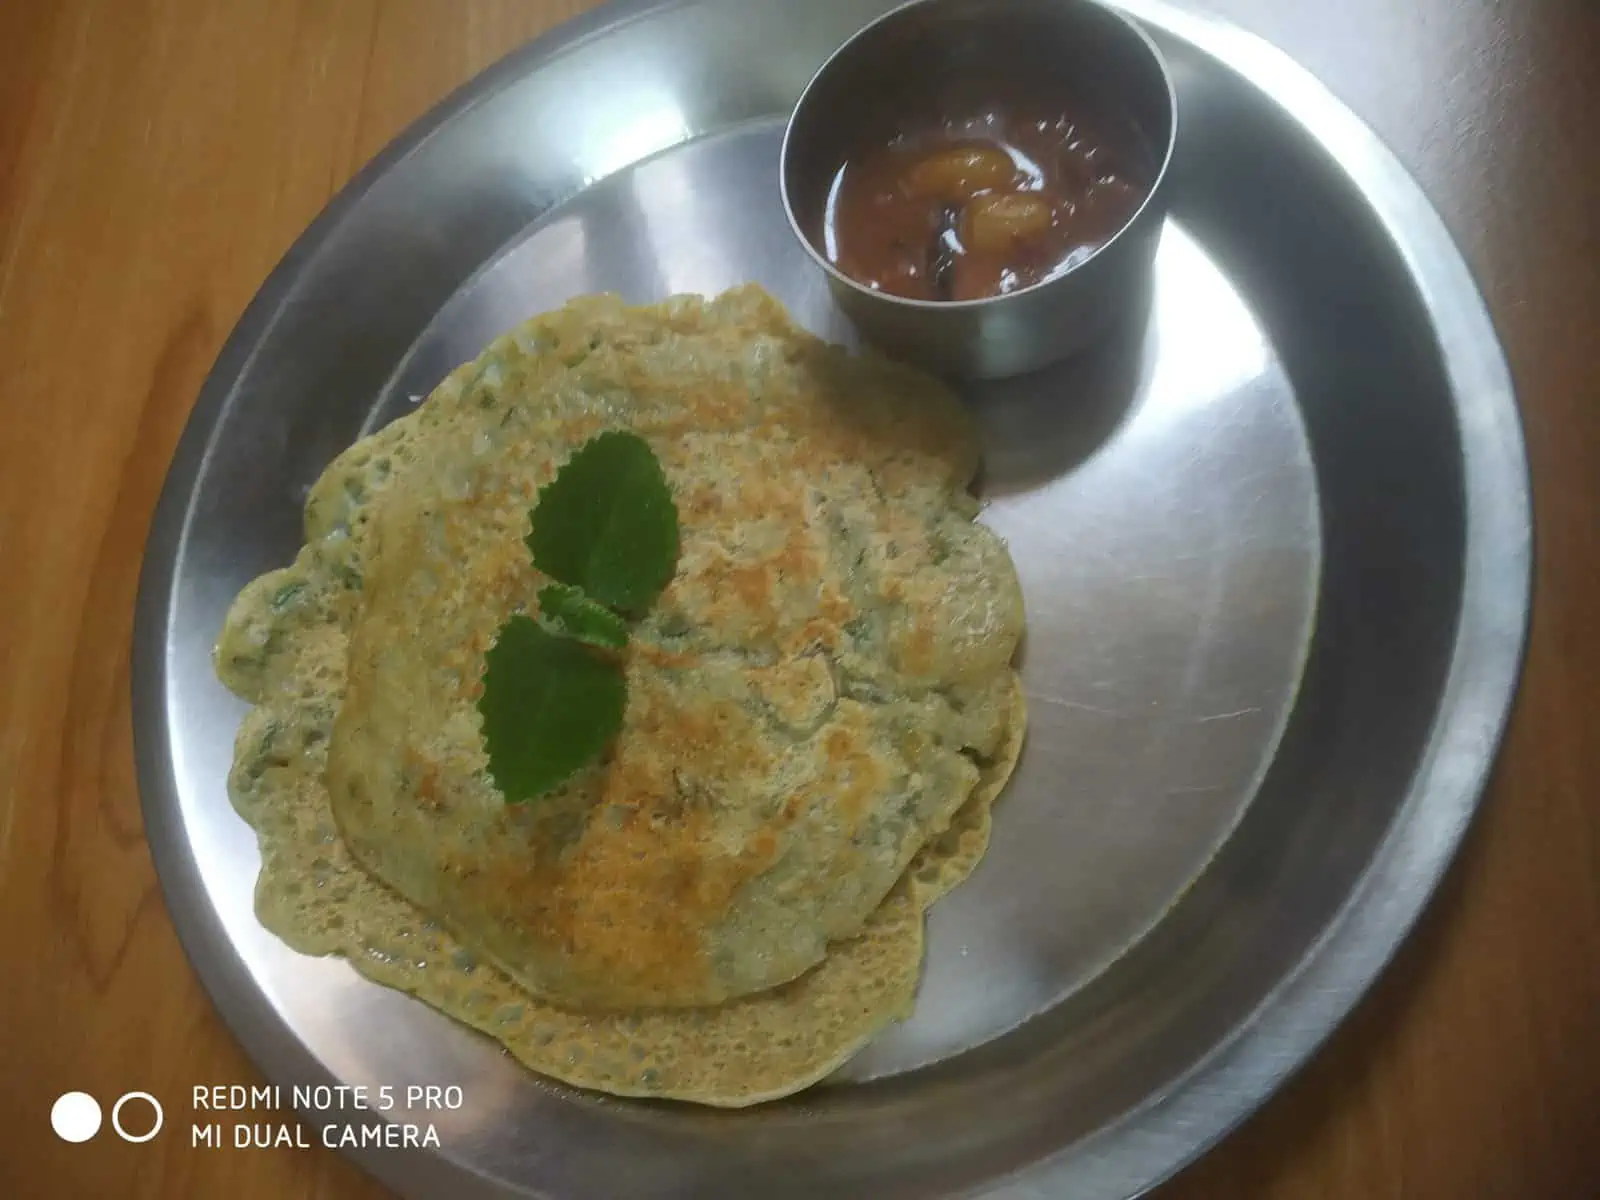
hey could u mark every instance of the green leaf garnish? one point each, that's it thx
(607, 530)
(607, 523)
(549, 705)
(566, 611)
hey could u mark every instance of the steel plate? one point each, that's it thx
(1274, 542)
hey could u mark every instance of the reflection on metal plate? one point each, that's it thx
(1159, 501)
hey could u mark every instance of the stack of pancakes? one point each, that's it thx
(821, 706)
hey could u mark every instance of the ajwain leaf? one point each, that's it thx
(566, 611)
(549, 706)
(607, 523)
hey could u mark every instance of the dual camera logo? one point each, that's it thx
(76, 1116)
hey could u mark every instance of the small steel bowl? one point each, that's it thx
(1078, 46)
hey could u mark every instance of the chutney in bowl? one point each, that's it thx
(982, 180)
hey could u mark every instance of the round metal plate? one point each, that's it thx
(1274, 543)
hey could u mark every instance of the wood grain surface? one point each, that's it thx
(158, 156)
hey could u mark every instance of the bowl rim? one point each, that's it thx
(1055, 277)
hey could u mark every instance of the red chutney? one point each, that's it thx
(982, 199)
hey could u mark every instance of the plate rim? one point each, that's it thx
(1166, 1132)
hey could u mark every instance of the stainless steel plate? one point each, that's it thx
(1274, 541)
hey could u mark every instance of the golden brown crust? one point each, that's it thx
(804, 714)
(750, 814)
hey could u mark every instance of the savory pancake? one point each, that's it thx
(821, 698)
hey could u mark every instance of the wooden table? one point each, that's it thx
(156, 158)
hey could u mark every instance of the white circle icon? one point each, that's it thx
(116, 1117)
(75, 1116)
